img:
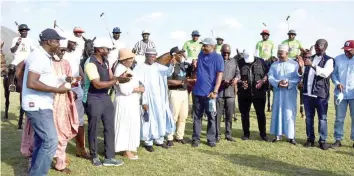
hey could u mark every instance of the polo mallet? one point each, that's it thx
(287, 20)
(264, 25)
(56, 25)
(18, 32)
(101, 16)
(212, 33)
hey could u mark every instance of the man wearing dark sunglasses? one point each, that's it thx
(318, 69)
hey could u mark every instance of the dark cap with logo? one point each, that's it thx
(50, 34)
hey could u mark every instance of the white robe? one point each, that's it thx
(154, 79)
(127, 117)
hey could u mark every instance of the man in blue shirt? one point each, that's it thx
(343, 79)
(210, 69)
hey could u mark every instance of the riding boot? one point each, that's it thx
(80, 144)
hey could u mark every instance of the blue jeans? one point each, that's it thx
(341, 111)
(201, 105)
(312, 104)
(45, 141)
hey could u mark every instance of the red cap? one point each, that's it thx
(78, 30)
(348, 45)
(265, 32)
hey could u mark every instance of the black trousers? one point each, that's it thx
(100, 108)
(244, 104)
(227, 104)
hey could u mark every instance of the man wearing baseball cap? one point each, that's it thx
(343, 79)
(117, 45)
(209, 75)
(37, 100)
(265, 47)
(192, 47)
(294, 45)
(99, 105)
(78, 31)
(219, 43)
(141, 46)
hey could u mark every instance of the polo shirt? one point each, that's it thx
(39, 61)
(207, 67)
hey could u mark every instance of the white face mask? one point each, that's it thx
(340, 97)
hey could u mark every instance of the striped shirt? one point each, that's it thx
(140, 47)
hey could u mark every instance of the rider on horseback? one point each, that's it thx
(192, 47)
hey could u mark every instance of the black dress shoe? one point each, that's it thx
(212, 144)
(292, 141)
(230, 139)
(183, 141)
(170, 143)
(337, 144)
(195, 144)
(265, 138)
(324, 146)
(217, 140)
(149, 148)
(245, 138)
(309, 143)
(163, 145)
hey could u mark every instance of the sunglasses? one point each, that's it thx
(225, 53)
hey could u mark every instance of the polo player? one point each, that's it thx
(141, 46)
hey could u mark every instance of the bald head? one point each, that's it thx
(226, 51)
(321, 46)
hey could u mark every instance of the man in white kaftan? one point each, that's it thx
(284, 76)
(159, 121)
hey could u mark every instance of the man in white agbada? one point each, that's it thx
(284, 76)
(117, 45)
(73, 56)
(127, 107)
(157, 120)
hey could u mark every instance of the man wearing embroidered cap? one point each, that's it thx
(21, 46)
(99, 78)
(158, 120)
(265, 48)
(192, 47)
(219, 43)
(141, 46)
(127, 107)
(284, 76)
(117, 45)
(343, 79)
(210, 67)
(295, 47)
(73, 56)
(37, 100)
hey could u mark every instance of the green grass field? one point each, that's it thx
(253, 157)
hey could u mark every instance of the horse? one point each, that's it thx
(11, 84)
(87, 52)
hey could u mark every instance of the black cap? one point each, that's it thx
(50, 34)
(23, 27)
(175, 50)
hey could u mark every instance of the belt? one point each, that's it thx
(180, 89)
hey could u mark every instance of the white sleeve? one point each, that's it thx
(35, 64)
(326, 71)
(14, 42)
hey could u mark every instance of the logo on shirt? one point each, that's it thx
(31, 104)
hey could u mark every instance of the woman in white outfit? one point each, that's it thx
(127, 107)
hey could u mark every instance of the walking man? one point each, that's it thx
(99, 103)
(210, 67)
(39, 84)
(318, 69)
(343, 79)
(226, 96)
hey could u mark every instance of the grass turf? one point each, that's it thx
(252, 157)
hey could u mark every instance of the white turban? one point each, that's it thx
(64, 43)
(283, 47)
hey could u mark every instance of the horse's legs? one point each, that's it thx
(301, 104)
(268, 98)
(20, 120)
(7, 97)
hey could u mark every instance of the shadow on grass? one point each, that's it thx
(269, 165)
(345, 153)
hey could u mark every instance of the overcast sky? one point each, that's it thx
(171, 22)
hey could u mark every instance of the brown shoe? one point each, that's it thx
(80, 144)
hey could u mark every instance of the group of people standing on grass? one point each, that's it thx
(151, 101)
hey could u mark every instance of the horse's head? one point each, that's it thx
(306, 52)
(88, 49)
(239, 55)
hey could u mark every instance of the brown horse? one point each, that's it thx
(11, 84)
